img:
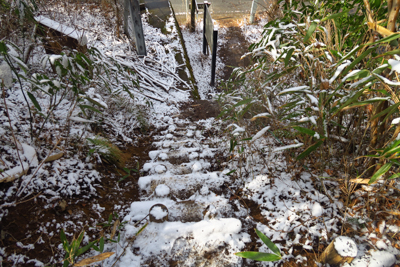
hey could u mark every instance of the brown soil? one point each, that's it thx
(199, 110)
(234, 48)
(25, 222)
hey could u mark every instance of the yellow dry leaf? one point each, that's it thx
(94, 259)
(397, 213)
(359, 181)
(114, 230)
(381, 30)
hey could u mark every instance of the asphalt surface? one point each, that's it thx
(217, 6)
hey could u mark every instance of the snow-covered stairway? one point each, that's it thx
(200, 230)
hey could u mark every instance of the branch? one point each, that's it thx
(393, 14)
(369, 13)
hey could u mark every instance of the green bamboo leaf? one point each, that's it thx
(90, 107)
(364, 103)
(392, 152)
(269, 243)
(280, 74)
(394, 176)
(391, 147)
(85, 248)
(288, 56)
(310, 31)
(290, 104)
(94, 102)
(309, 150)
(64, 240)
(348, 55)
(34, 101)
(141, 229)
(389, 109)
(243, 102)
(350, 100)
(385, 40)
(101, 244)
(280, 56)
(258, 256)
(357, 60)
(388, 115)
(380, 172)
(395, 161)
(390, 53)
(358, 75)
(80, 238)
(337, 15)
(3, 48)
(304, 130)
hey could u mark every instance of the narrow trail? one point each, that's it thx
(187, 177)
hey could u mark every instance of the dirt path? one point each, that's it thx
(234, 47)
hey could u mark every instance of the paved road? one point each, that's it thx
(218, 6)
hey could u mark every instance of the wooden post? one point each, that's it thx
(253, 10)
(192, 16)
(205, 9)
(138, 27)
(126, 15)
(186, 2)
(214, 57)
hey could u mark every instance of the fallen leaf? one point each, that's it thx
(63, 204)
(54, 157)
(94, 259)
(397, 213)
(114, 230)
(359, 181)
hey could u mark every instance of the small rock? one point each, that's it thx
(153, 154)
(160, 169)
(163, 156)
(158, 213)
(204, 190)
(197, 167)
(62, 204)
(317, 210)
(162, 190)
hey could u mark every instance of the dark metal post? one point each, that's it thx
(137, 24)
(192, 16)
(205, 10)
(214, 57)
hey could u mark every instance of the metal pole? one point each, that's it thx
(204, 28)
(253, 10)
(214, 57)
(137, 24)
